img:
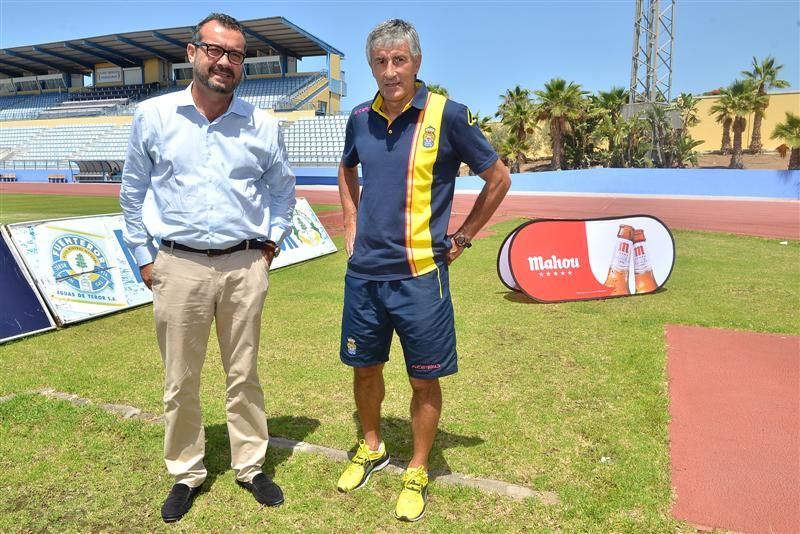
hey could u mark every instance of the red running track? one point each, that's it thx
(765, 218)
(735, 428)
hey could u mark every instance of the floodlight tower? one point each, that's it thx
(651, 64)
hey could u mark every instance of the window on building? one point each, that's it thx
(262, 65)
(183, 73)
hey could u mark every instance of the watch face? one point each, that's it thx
(461, 240)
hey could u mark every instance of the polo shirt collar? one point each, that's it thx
(237, 105)
(421, 97)
(418, 101)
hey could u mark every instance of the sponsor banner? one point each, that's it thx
(81, 265)
(308, 239)
(83, 268)
(563, 260)
(503, 266)
(109, 75)
(23, 312)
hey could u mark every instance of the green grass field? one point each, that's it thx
(543, 393)
(17, 208)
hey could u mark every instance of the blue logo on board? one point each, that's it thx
(80, 263)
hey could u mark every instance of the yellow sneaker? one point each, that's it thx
(414, 498)
(364, 463)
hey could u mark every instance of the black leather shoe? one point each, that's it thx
(264, 490)
(178, 502)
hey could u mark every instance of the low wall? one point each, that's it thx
(656, 182)
(316, 175)
(37, 175)
(646, 182)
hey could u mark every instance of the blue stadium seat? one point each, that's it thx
(315, 141)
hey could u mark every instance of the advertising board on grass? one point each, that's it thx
(81, 268)
(81, 265)
(308, 238)
(22, 311)
(581, 259)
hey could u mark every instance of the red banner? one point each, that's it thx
(563, 260)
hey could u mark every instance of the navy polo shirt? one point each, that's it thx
(409, 167)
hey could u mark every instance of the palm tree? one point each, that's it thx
(765, 74)
(684, 151)
(517, 94)
(438, 89)
(513, 149)
(516, 111)
(662, 136)
(580, 151)
(615, 133)
(686, 104)
(611, 103)
(559, 103)
(722, 110)
(682, 146)
(744, 99)
(789, 131)
(518, 116)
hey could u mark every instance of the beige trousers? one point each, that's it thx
(189, 291)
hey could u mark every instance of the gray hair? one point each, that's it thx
(392, 32)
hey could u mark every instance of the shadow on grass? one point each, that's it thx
(396, 433)
(218, 452)
(515, 296)
(518, 296)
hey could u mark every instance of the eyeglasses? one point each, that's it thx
(216, 52)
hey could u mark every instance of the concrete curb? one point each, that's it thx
(497, 487)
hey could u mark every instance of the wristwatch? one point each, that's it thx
(461, 240)
(274, 246)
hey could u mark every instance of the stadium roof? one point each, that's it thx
(132, 48)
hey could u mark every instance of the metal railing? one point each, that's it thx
(292, 100)
(33, 164)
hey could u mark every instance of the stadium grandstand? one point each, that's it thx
(66, 107)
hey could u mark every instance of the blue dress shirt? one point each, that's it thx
(204, 185)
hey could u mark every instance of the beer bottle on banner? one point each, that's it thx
(642, 270)
(620, 267)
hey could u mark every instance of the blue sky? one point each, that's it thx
(476, 50)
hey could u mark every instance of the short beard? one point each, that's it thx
(205, 79)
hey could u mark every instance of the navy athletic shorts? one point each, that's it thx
(418, 309)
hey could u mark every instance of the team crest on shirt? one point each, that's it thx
(351, 346)
(429, 137)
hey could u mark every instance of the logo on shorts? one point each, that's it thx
(429, 137)
(80, 263)
(351, 346)
(426, 366)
